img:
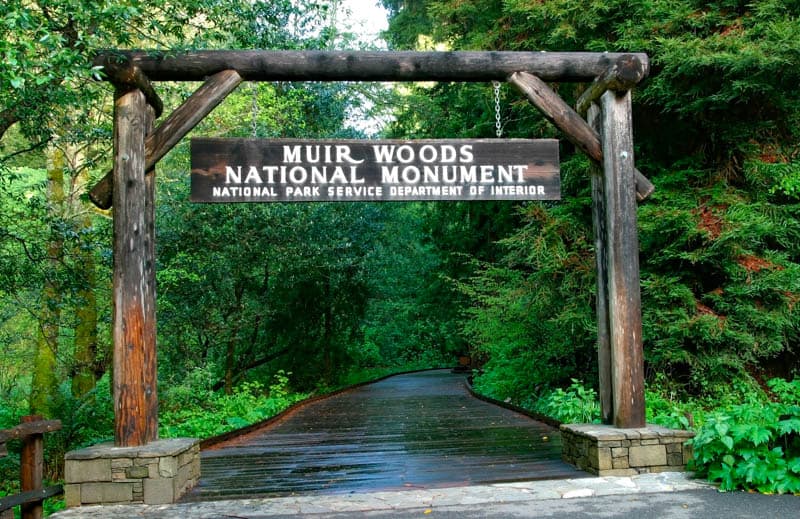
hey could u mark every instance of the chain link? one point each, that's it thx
(255, 109)
(497, 123)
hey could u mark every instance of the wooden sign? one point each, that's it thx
(288, 170)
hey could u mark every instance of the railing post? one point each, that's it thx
(32, 468)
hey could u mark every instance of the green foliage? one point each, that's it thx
(576, 404)
(753, 446)
(716, 129)
(218, 413)
(719, 278)
(784, 177)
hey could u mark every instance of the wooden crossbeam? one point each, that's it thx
(174, 128)
(287, 65)
(623, 75)
(577, 131)
(30, 496)
(26, 429)
(124, 74)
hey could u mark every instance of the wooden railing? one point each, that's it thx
(31, 467)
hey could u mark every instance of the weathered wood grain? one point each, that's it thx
(180, 122)
(296, 170)
(623, 75)
(624, 307)
(29, 427)
(31, 469)
(8, 502)
(265, 65)
(601, 261)
(577, 131)
(419, 430)
(128, 76)
(150, 367)
(132, 382)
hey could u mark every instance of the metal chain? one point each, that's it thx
(497, 123)
(255, 109)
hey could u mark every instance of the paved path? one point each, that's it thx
(413, 431)
(655, 496)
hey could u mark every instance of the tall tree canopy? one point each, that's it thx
(715, 128)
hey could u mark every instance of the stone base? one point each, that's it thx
(605, 450)
(157, 473)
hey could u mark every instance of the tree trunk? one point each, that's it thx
(88, 367)
(328, 333)
(44, 383)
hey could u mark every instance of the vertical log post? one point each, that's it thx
(31, 468)
(601, 261)
(622, 261)
(150, 354)
(134, 339)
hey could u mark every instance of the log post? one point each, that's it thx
(622, 261)
(134, 340)
(150, 354)
(31, 468)
(601, 261)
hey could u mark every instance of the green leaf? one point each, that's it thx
(727, 441)
(790, 425)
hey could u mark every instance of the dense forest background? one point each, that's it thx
(260, 305)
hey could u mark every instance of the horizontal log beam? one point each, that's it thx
(124, 74)
(27, 429)
(557, 111)
(263, 65)
(174, 128)
(31, 496)
(623, 75)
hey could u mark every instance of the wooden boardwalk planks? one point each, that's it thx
(418, 430)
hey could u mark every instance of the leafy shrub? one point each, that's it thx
(667, 411)
(576, 404)
(753, 446)
(220, 413)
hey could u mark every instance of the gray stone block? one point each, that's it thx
(155, 449)
(121, 463)
(621, 463)
(647, 456)
(675, 459)
(673, 447)
(137, 472)
(167, 467)
(97, 493)
(80, 471)
(600, 457)
(159, 491)
(72, 495)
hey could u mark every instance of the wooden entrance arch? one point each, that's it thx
(606, 137)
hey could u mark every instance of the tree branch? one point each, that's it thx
(26, 150)
(8, 118)
(254, 364)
